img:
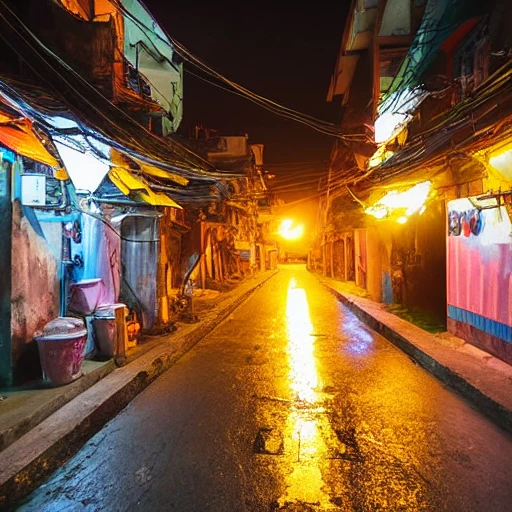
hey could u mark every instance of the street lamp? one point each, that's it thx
(290, 232)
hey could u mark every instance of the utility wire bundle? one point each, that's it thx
(229, 85)
(68, 88)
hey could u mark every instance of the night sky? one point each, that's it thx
(282, 50)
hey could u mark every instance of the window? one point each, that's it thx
(362, 5)
(471, 59)
(390, 62)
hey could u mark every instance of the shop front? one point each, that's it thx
(480, 273)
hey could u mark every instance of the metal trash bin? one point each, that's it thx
(105, 329)
(61, 350)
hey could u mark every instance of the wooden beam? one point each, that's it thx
(393, 40)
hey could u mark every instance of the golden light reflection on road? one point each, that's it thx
(305, 422)
(304, 378)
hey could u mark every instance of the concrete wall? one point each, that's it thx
(35, 292)
(396, 20)
(377, 261)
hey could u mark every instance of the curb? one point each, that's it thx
(499, 414)
(33, 457)
(12, 434)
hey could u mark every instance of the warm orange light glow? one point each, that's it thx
(410, 201)
(290, 233)
(502, 162)
(304, 378)
(308, 425)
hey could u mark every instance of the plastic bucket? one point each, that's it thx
(62, 356)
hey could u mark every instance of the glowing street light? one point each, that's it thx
(407, 202)
(288, 232)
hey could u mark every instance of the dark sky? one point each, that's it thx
(282, 50)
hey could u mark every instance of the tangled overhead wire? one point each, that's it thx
(225, 83)
(71, 92)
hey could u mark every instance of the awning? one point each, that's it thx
(4, 118)
(85, 169)
(161, 173)
(19, 137)
(137, 189)
(122, 160)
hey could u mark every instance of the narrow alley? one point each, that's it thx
(290, 404)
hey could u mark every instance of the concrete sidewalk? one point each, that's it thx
(478, 376)
(42, 428)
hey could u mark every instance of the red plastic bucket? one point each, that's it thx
(62, 356)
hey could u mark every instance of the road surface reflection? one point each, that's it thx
(306, 420)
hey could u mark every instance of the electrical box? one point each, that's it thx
(33, 190)
(42, 191)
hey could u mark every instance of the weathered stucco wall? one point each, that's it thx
(35, 293)
(407, 263)
(376, 263)
(396, 20)
(425, 270)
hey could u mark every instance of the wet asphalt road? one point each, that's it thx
(290, 404)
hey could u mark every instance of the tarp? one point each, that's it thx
(85, 168)
(440, 19)
(140, 250)
(137, 189)
(161, 173)
(20, 138)
(69, 91)
(4, 118)
(121, 160)
(101, 246)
